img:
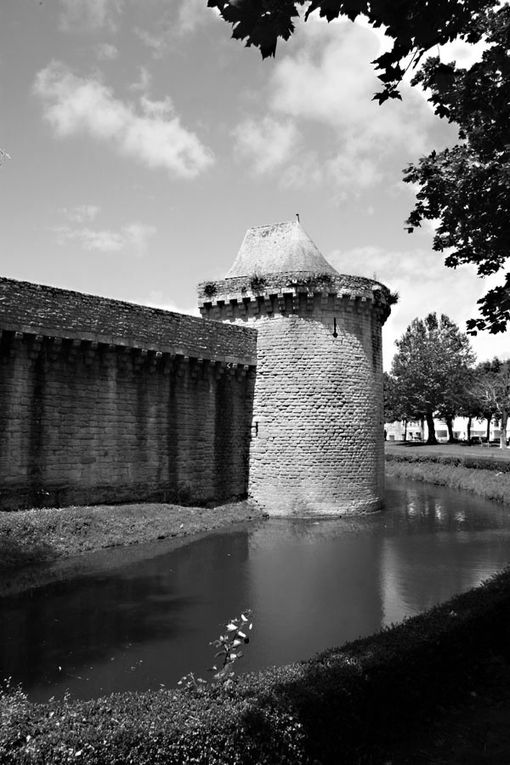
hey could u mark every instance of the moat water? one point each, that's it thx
(143, 617)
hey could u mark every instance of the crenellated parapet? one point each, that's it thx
(244, 298)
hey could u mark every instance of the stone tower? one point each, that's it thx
(317, 430)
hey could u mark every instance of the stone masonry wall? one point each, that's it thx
(318, 444)
(91, 420)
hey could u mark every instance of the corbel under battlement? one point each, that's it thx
(292, 293)
(55, 347)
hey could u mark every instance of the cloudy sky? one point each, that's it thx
(144, 142)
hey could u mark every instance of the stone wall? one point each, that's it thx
(104, 401)
(318, 445)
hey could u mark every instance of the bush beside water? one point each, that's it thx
(347, 705)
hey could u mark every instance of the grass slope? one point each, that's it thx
(482, 471)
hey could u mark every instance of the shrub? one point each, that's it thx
(257, 282)
(313, 283)
(210, 289)
(474, 462)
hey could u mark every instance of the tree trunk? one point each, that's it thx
(449, 425)
(431, 436)
(489, 419)
(504, 420)
(468, 434)
(405, 430)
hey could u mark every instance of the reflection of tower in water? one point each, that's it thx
(314, 585)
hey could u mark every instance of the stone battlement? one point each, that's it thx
(292, 292)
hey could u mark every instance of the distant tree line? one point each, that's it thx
(433, 374)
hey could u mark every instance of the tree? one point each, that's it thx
(478, 403)
(397, 404)
(494, 392)
(392, 406)
(432, 366)
(414, 26)
(466, 189)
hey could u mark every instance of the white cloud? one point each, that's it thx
(192, 14)
(180, 20)
(89, 239)
(154, 137)
(352, 171)
(156, 42)
(137, 235)
(424, 285)
(330, 80)
(306, 170)
(80, 213)
(132, 237)
(463, 53)
(106, 51)
(156, 109)
(143, 82)
(77, 15)
(267, 143)
(324, 88)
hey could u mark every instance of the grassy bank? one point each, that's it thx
(358, 704)
(35, 537)
(483, 472)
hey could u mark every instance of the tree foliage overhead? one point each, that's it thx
(430, 369)
(466, 189)
(415, 26)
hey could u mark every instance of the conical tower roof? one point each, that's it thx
(278, 248)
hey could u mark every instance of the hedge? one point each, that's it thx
(473, 462)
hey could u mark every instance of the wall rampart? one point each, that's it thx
(103, 401)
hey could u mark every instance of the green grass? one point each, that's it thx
(480, 470)
(40, 536)
(459, 449)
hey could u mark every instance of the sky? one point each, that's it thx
(143, 141)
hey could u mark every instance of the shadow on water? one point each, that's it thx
(135, 620)
(80, 634)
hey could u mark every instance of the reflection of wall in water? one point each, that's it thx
(163, 607)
